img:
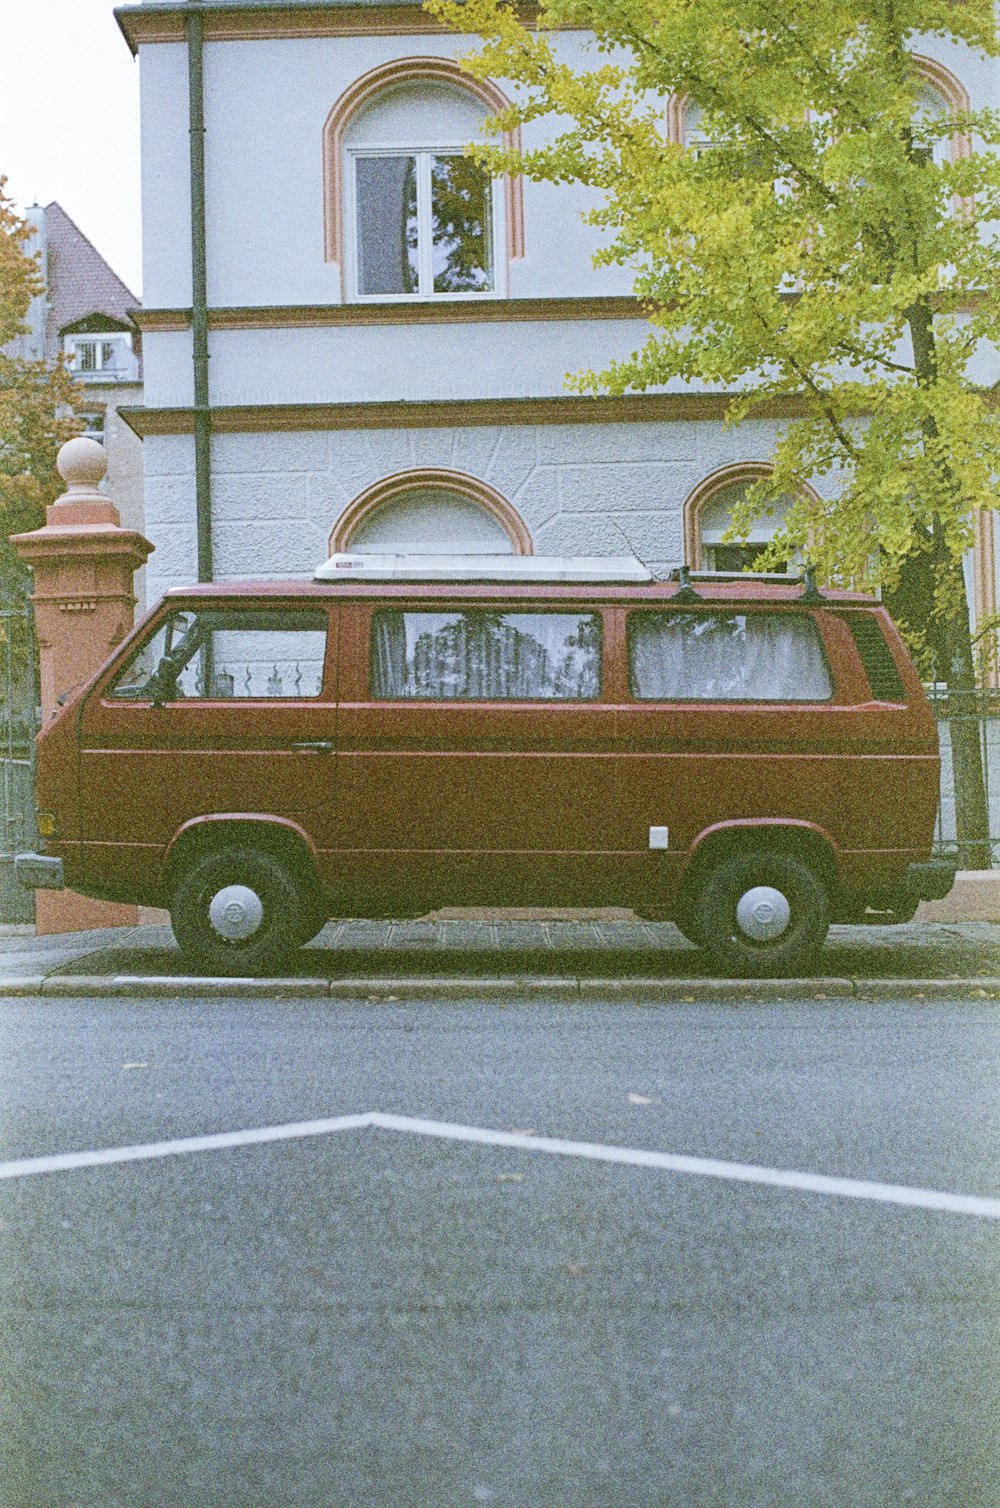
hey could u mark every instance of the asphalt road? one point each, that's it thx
(381, 1319)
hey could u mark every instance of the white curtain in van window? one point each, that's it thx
(731, 657)
(486, 656)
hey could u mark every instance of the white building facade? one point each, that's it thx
(388, 333)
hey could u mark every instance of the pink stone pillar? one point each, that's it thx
(83, 562)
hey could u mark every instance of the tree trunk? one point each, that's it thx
(951, 630)
(972, 816)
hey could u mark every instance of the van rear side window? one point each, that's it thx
(876, 656)
(727, 657)
(481, 655)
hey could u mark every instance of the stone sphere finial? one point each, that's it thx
(81, 463)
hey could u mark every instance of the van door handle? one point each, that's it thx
(317, 746)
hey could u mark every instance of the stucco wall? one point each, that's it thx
(265, 106)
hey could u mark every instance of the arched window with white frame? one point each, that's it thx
(422, 219)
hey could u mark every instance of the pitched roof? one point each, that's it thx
(80, 282)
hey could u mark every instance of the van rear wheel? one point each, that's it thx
(762, 915)
(237, 912)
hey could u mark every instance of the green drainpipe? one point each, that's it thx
(199, 297)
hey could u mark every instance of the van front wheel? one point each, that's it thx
(237, 912)
(762, 915)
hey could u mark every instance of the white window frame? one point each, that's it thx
(98, 339)
(423, 154)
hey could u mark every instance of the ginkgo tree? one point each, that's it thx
(828, 255)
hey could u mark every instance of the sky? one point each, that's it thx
(69, 121)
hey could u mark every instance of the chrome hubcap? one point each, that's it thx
(763, 913)
(236, 912)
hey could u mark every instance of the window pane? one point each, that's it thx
(735, 558)
(387, 224)
(727, 657)
(257, 655)
(484, 656)
(86, 356)
(461, 203)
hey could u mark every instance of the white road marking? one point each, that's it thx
(669, 1162)
(67, 1162)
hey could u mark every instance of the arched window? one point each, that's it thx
(941, 93)
(431, 511)
(408, 214)
(708, 514)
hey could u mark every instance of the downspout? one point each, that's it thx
(199, 296)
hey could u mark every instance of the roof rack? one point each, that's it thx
(688, 579)
(594, 568)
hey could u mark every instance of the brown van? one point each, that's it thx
(746, 757)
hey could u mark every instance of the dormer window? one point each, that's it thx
(106, 355)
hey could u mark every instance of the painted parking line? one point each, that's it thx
(667, 1162)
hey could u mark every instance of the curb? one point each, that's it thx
(573, 990)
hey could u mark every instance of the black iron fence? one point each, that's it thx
(986, 719)
(18, 721)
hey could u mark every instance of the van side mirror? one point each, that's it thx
(162, 684)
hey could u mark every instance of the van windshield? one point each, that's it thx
(213, 654)
(727, 657)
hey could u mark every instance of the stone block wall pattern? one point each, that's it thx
(580, 489)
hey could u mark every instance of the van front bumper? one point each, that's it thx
(36, 871)
(931, 881)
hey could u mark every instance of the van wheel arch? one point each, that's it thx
(278, 839)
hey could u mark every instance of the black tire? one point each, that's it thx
(272, 940)
(735, 953)
(314, 919)
(686, 922)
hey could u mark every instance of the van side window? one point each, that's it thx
(208, 655)
(727, 657)
(481, 655)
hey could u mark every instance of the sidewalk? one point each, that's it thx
(508, 958)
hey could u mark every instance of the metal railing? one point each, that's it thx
(17, 733)
(986, 717)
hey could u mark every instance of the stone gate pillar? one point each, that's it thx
(84, 563)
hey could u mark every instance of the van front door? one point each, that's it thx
(225, 709)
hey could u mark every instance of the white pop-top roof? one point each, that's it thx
(598, 568)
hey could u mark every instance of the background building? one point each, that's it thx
(86, 312)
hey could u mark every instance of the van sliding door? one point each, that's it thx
(476, 754)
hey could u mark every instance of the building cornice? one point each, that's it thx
(440, 413)
(443, 312)
(461, 413)
(256, 20)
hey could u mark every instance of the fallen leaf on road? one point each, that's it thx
(575, 1268)
(641, 1099)
(510, 1178)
